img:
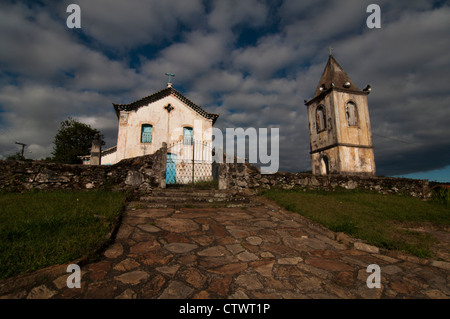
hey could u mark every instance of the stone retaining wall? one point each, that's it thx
(147, 172)
(247, 177)
(142, 173)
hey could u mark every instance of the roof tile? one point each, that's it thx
(162, 94)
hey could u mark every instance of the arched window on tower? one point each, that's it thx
(351, 112)
(321, 122)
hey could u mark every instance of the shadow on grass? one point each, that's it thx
(41, 229)
(381, 220)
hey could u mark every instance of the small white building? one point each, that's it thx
(167, 117)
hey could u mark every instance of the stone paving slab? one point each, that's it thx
(254, 252)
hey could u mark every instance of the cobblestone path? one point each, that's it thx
(253, 252)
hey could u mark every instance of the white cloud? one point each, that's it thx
(32, 114)
(219, 81)
(268, 56)
(188, 60)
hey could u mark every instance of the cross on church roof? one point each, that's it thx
(331, 50)
(170, 75)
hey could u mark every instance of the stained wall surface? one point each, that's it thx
(167, 127)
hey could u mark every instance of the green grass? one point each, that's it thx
(442, 195)
(381, 220)
(40, 229)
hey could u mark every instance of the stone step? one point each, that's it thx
(191, 196)
(143, 205)
(182, 197)
(190, 193)
(178, 199)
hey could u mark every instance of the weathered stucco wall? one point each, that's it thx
(359, 134)
(356, 160)
(327, 136)
(348, 148)
(109, 158)
(167, 127)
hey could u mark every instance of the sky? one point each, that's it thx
(253, 62)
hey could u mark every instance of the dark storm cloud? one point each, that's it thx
(123, 25)
(49, 72)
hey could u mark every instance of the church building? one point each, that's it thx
(339, 125)
(163, 117)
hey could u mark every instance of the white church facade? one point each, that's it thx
(167, 117)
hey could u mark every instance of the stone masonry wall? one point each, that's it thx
(147, 172)
(142, 173)
(247, 177)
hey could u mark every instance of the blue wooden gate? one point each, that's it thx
(171, 168)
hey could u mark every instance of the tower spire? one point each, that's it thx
(334, 76)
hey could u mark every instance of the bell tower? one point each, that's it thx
(339, 125)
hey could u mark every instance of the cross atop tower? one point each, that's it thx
(331, 50)
(170, 75)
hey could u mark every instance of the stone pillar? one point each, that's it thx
(222, 178)
(96, 151)
(163, 161)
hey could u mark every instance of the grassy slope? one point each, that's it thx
(380, 219)
(46, 228)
